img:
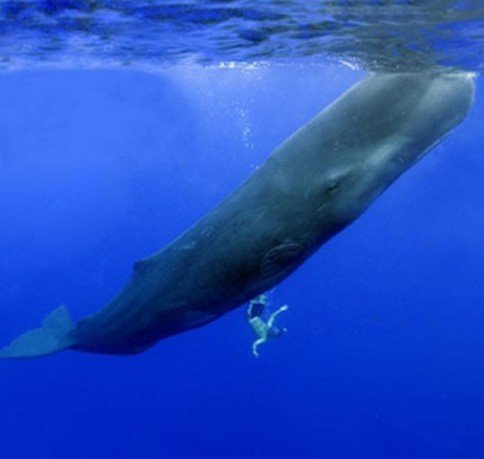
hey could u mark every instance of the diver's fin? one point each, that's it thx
(52, 337)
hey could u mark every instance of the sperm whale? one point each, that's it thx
(310, 188)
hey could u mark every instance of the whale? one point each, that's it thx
(319, 181)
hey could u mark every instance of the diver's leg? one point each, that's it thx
(256, 344)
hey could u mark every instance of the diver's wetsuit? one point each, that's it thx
(263, 330)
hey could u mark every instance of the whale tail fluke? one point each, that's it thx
(52, 337)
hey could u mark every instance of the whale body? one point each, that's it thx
(311, 187)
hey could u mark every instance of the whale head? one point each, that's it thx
(379, 129)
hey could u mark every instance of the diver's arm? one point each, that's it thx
(274, 315)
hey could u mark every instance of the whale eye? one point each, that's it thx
(331, 188)
(337, 181)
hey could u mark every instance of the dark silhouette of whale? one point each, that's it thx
(311, 187)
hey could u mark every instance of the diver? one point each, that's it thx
(263, 329)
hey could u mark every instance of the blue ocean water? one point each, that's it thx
(384, 352)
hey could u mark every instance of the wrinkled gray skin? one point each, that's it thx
(311, 187)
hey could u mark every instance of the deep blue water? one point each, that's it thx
(384, 355)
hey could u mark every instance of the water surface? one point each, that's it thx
(371, 34)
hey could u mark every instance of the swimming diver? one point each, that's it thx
(263, 330)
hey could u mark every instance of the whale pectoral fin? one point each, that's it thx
(282, 259)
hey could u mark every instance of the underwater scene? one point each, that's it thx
(241, 229)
